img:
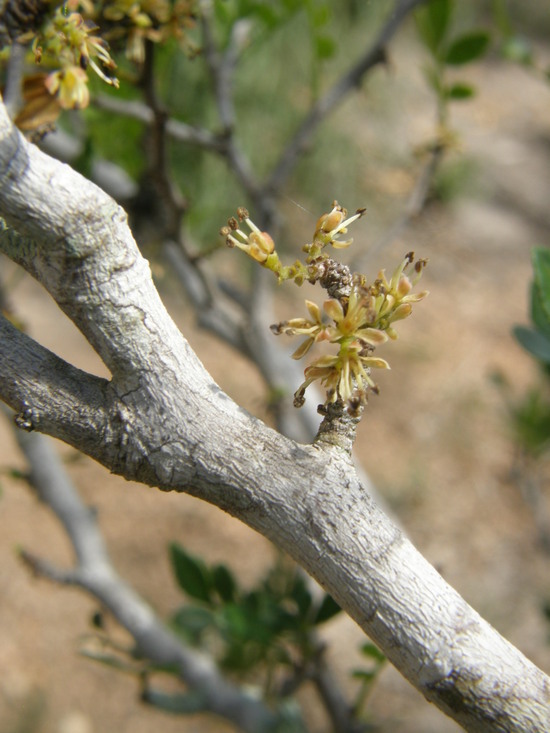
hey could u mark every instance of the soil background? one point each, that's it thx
(437, 442)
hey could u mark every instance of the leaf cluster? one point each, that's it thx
(268, 626)
(434, 22)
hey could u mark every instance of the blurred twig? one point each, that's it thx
(412, 209)
(93, 572)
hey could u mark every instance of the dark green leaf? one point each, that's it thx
(191, 573)
(467, 48)
(224, 583)
(539, 314)
(301, 596)
(532, 422)
(432, 22)
(326, 610)
(535, 342)
(110, 660)
(460, 90)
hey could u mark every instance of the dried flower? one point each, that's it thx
(357, 318)
(257, 244)
(330, 226)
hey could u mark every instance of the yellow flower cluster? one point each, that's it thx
(357, 324)
(358, 319)
(77, 35)
(136, 21)
(68, 42)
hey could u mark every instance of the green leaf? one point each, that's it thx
(191, 573)
(224, 583)
(301, 596)
(432, 22)
(192, 621)
(467, 48)
(539, 315)
(373, 652)
(460, 90)
(327, 610)
(325, 47)
(362, 674)
(183, 704)
(541, 267)
(532, 422)
(535, 342)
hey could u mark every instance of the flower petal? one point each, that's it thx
(302, 350)
(373, 361)
(333, 309)
(372, 336)
(314, 310)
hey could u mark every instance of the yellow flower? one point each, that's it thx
(353, 322)
(315, 330)
(392, 299)
(258, 245)
(331, 225)
(343, 375)
(71, 86)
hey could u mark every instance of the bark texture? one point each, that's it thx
(162, 420)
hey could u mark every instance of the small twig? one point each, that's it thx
(412, 209)
(339, 712)
(222, 70)
(214, 311)
(175, 129)
(373, 56)
(168, 193)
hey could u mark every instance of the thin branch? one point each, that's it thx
(177, 130)
(95, 574)
(374, 55)
(222, 70)
(215, 312)
(169, 195)
(412, 209)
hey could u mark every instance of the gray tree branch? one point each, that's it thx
(169, 425)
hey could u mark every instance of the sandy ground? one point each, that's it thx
(436, 442)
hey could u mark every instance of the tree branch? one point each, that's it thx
(95, 574)
(47, 393)
(177, 130)
(171, 426)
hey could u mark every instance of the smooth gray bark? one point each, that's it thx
(162, 420)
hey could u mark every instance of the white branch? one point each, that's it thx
(168, 424)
